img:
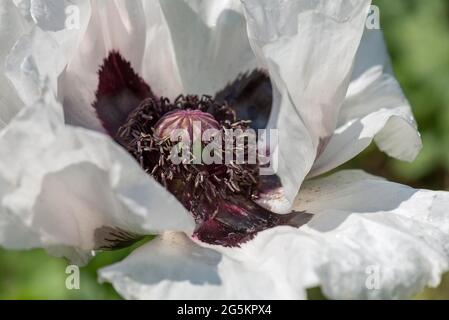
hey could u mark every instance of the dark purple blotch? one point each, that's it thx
(120, 90)
(251, 96)
(238, 219)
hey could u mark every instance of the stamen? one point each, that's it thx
(146, 136)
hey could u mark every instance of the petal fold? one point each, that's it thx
(369, 239)
(210, 43)
(112, 26)
(44, 42)
(178, 47)
(12, 26)
(174, 267)
(375, 108)
(309, 50)
(377, 239)
(59, 185)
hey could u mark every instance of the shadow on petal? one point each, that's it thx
(336, 198)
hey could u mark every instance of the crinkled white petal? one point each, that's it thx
(160, 68)
(30, 61)
(55, 29)
(64, 20)
(12, 26)
(50, 15)
(10, 103)
(369, 239)
(375, 108)
(59, 184)
(113, 25)
(210, 43)
(309, 49)
(172, 266)
(133, 28)
(376, 239)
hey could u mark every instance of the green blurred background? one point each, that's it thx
(417, 33)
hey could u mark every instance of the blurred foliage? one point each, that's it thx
(36, 275)
(417, 33)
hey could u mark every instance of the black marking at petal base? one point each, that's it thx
(238, 220)
(110, 238)
(251, 96)
(120, 90)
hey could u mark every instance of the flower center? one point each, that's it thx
(219, 194)
(147, 136)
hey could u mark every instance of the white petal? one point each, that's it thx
(374, 109)
(210, 43)
(44, 54)
(160, 68)
(33, 58)
(64, 20)
(49, 15)
(113, 25)
(136, 29)
(178, 47)
(10, 103)
(12, 26)
(174, 267)
(59, 184)
(362, 225)
(309, 49)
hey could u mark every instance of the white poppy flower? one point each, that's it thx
(69, 187)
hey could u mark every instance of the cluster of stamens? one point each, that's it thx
(198, 186)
